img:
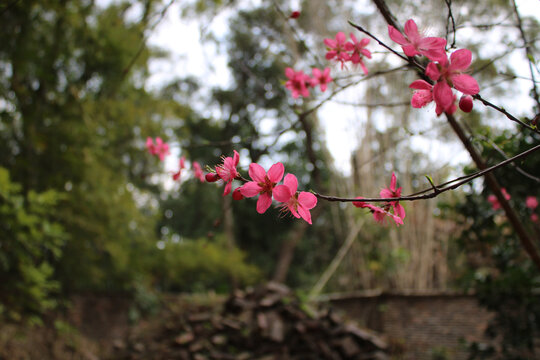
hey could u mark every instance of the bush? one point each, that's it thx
(201, 265)
(30, 241)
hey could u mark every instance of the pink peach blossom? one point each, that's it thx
(321, 78)
(297, 83)
(198, 171)
(379, 214)
(160, 148)
(393, 191)
(338, 48)
(449, 74)
(531, 202)
(495, 202)
(359, 51)
(227, 171)
(181, 166)
(297, 204)
(413, 43)
(263, 184)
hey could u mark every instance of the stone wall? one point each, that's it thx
(420, 326)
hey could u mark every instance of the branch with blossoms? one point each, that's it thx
(439, 81)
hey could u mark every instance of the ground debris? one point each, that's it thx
(266, 322)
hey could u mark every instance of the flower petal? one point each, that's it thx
(281, 193)
(250, 189)
(460, 59)
(291, 182)
(409, 50)
(308, 200)
(257, 172)
(466, 84)
(399, 211)
(432, 71)
(264, 202)
(396, 36)
(421, 85)
(304, 214)
(442, 94)
(275, 173)
(411, 30)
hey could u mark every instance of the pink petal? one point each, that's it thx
(432, 43)
(399, 211)
(291, 182)
(250, 189)
(289, 72)
(435, 55)
(308, 200)
(316, 72)
(236, 158)
(281, 193)
(442, 94)
(465, 83)
(386, 193)
(397, 219)
(364, 42)
(353, 38)
(396, 36)
(393, 182)
(410, 50)
(421, 85)
(421, 98)
(227, 189)
(364, 68)
(292, 209)
(411, 30)
(331, 43)
(304, 214)
(432, 71)
(341, 37)
(275, 173)
(460, 59)
(264, 202)
(257, 172)
(366, 53)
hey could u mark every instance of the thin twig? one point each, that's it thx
(433, 192)
(449, 19)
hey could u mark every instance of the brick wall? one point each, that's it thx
(419, 325)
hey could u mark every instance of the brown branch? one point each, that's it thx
(491, 181)
(450, 18)
(433, 192)
(421, 73)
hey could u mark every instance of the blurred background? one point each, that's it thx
(86, 211)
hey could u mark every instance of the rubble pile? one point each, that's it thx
(265, 323)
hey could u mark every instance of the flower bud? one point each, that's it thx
(466, 103)
(295, 14)
(211, 177)
(237, 195)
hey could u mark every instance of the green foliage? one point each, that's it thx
(201, 265)
(502, 275)
(30, 241)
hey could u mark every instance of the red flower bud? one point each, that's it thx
(466, 103)
(212, 177)
(237, 195)
(295, 15)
